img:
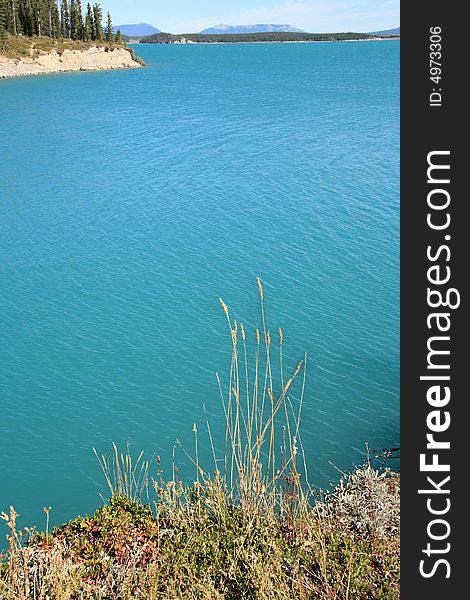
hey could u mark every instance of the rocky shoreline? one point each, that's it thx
(96, 58)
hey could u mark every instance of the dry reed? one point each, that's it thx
(251, 530)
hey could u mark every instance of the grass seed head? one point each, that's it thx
(260, 287)
(224, 306)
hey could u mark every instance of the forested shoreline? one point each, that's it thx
(57, 20)
(280, 36)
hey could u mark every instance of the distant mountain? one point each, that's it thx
(259, 28)
(395, 31)
(136, 30)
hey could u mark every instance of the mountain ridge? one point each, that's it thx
(394, 31)
(222, 28)
(136, 29)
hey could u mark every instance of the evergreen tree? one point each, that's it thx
(80, 25)
(65, 19)
(26, 19)
(89, 29)
(49, 18)
(3, 37)
(118, 38)
(73, 19)
(77, 29)
(37, 18)
(109, 30)
(54, 19)
(4, 14)
(14, 17)
(97, 21)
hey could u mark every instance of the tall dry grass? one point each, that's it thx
(257, 407)
(248, 528)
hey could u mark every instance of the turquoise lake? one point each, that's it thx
(130, 201)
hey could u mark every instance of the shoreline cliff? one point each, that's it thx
(57, 60)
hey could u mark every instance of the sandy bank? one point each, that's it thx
(97, 58)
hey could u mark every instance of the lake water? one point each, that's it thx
(132, 200)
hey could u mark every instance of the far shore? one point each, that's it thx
(188, 42)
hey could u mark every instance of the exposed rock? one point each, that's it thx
(97, 58)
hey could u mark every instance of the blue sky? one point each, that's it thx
(182, 16)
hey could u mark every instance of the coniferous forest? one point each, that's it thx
(264, 36)
(56, 19)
